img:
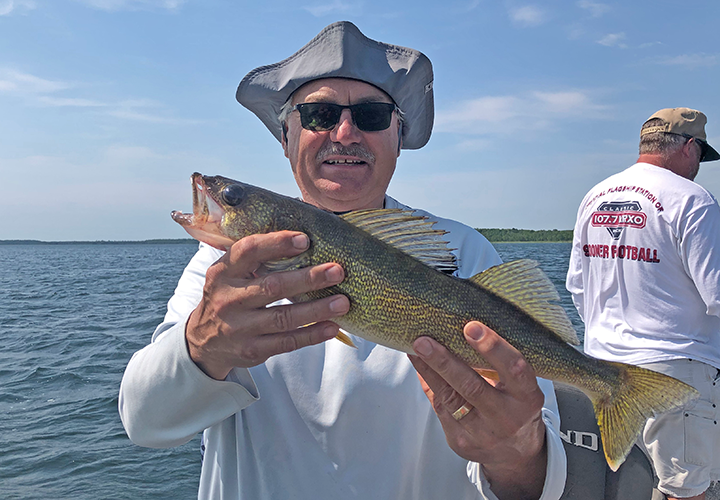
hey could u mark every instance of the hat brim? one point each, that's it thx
(341, 51)
(711, 154)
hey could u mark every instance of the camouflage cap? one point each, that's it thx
(340, 50)
(683, 121)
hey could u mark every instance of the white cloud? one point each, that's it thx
(474, 145)
(595, 9)
(130, 114)
(566, 103)
(575, 31)
(7, 7)
(119, 154)
(25, 83)
(43, 92)
(69, 102)
(136, 110)
(527, 16)
(487, 109)
(336, 7)
(647, 45)
(139, 103)
(117, 5)
(508, 114)
(691, 60)
(613, 40)
(465, 7)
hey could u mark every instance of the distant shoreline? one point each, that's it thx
(526, 235)
(100, 242)
(493, 235)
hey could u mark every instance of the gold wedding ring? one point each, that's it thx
(461, 412)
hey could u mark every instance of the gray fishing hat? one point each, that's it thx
(683, 121)
(342, 51)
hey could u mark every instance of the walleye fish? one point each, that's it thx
(397, 280)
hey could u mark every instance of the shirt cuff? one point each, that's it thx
(555, 473)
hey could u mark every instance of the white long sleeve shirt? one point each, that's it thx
(645, 268)
(322, 422)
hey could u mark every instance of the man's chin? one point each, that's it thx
(341, 198)
(342, 188)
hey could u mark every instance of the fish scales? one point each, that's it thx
(396, 296)
(404, 298)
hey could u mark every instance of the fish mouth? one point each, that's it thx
(205, 222)
(201, 211)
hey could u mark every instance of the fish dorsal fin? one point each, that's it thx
(522, 283)
(410, 233)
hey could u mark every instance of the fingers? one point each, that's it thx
(232, 327)
(447, 382)
(247, 254)
(454, 382)
(279, 319)
(516, 374)
(275, 286)
(273, 344)
(504, 430)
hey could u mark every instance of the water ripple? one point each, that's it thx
(71, 317)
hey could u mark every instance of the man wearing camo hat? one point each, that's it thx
(645, 277)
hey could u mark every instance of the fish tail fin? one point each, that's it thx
(621, 415)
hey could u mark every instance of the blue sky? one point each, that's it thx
(108, 106)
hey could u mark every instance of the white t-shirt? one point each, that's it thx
(322, 422)
(645, 268)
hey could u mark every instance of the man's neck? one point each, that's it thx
(674, 163)
(657, 160)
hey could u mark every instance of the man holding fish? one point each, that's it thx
(287, 414)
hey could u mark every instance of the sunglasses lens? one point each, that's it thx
(372, 116)
(367, 116)
(319, 116)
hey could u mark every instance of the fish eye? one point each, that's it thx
(233, 194)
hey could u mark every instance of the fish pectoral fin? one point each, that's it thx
(341, 336)
(289, 264)
(345, 339)
(527, 287)
(488, 374)
(409, 233)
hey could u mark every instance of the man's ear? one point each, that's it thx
(400, 130)
(284, 140)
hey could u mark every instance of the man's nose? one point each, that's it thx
(346, 132)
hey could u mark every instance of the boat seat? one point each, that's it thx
(588, 475)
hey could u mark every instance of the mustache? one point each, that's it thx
(334, 148)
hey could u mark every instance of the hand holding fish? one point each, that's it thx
(503, 430)
(231, 327)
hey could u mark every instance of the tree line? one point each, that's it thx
(526, 235)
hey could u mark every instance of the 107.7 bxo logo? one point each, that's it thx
(617, 215)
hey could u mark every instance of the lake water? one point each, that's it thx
(71, 316)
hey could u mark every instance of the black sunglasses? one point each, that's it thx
(703, 145)
(324, 116)
(703, 148)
